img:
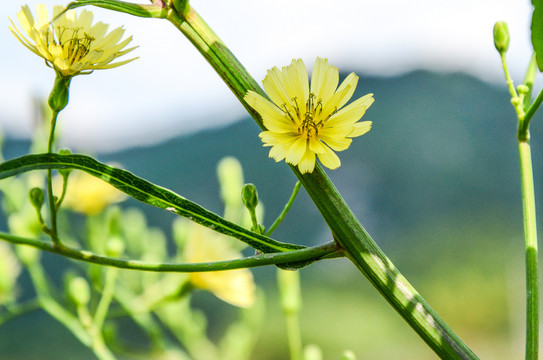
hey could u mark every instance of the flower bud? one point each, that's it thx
(36, 198)
(115, 247)
(58, 99)
(501, 37)
(523, 89)
(79, 291)
(249, 196)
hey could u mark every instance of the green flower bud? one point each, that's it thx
(58, 99)
(79, 291)
(523, 89)
(249, 196)
(36, 198)
(115, 247)
(501, 37)
(64, 172)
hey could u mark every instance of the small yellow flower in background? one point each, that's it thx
(71, 44)
(235, 287)
(304, 123)
(87, 194)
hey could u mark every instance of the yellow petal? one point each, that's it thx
(236, 287)
(307, 162)
(350, 82)
(330, 159)
(273, 118)
(360, 128)
(326, 78)
(352, 112)
(297, 150)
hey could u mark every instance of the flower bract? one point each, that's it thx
(304, 122)
(71, 44)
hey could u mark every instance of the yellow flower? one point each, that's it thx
(303, 123)
(71, 44)
(236, 287)
(87, 194)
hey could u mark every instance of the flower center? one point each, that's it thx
(74, 43)
(308, 120)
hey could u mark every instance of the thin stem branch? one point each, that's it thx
(53, 232)
(530, 237)
(287, 207)
(329, 250)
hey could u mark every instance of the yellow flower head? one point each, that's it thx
(71, 44)
(302, 122)
(236, 287)
(87, 194)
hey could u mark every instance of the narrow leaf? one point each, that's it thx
(145, 192)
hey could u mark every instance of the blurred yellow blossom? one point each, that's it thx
(236, 287)
(304, 123)
(87, 194)
(71, 44)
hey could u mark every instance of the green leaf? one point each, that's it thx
(145, 192)
(537, 32)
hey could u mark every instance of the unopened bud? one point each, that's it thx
(115, 247)
(501, 37)
(249, 196)
(523, 89)
(36, 198)
(79, 291)
(58, 99)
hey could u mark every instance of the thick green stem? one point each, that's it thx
(348, 232)
(530, 237)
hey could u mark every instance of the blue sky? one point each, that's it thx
(171, 90)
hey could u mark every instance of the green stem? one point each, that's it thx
(287, 207)
(530, 114)
(325, 251)
(53, 232)
(349, 233)
(530, 237)
(105, 300)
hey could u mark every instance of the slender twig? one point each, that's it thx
(53, 232)
(287, 207)
(326, 251)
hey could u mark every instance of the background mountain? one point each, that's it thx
(436, 184)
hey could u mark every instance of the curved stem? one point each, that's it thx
(287, 207)
(530, 237)
(326, 251)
